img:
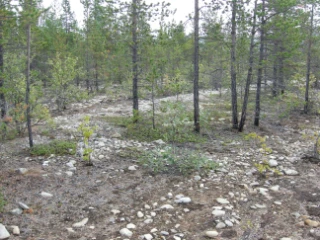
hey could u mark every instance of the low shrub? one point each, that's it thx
(57, 147)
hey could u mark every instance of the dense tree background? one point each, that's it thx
(250, 51)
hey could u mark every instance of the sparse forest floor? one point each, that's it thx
(261, 190)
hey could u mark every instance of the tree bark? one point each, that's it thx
(2, 96)
(306, 103)
(28, 85)
(249, 76)
(196, 68)
(260, 69)
(135, 60)
(275, 71)
(233, 70)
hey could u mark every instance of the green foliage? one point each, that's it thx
(62, 89)
(258, 140)
(264, 168)
(85, 131)
(57, 147)
(3, 202)
(168, 160)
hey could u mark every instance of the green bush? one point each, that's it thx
(174, 160)
(58, 147)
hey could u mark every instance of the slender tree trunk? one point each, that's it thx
(233, 70)
(275, 71)
(249, 76)
(2, 97)
(281, 71)
(135, 60)
(306, 103)
(196, 68)
(96, 77)
(260, 69)
(28, 85)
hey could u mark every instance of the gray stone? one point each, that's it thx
(211, 234)
(140, 214)
(132, 168)
(218, 213)
(126, 232)
(82, 223)
(46, 195)
(164, 233)
(273, 163)
(23, 206)
(291, 172)
(148, 236)
(167, 207)
(131, 226)
(148, 221)
(23, 170)
(16, 211)
(4, 234)
(15, 230)
(222, 201)
(221, 225)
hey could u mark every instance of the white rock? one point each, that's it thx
(81, 223)
(275, 188)
(115, 211)
(132, 168)
(46, 194)
(167, 207)
(278, 203)
(159, 141)
(153, 230)
(170, 195)
(212, 234)
(16, 211)
(176, 238)
(148, 221)
(147, 236)
(197, 178)
(140, 214)
(146, 206)
(222, 201)
(261, 206)
(291, 172)
(100, 157)
(23, 206)
(4, 234)
(183, 200)
(131, 226)
(70, 164)
(228, 223)
(15, 230)
(220, 225)
(218, 213)
(92, 227)
(273, 163)
(153, 214)
(285, 238)
(125, 232)
(70, 230)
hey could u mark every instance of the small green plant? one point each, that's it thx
(258, 140)
(3, 202)
(86, 130)
(58, 147)
(169, 159)
(263, 168)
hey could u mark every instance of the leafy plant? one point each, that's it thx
(264, 167)
(58, 147)
(258, 140)
(169, 159)
(85, 130)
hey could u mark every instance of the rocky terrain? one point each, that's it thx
(59, 197)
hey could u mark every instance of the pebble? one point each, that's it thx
(16, 211)
(15, 230)
(115, 211)
(218, 213)
(222, 201)
(212, 234)
(228, 223)
(291, 172)
(164, 233)
(69, 173)
(182, 199)
(70, 230)
(167, 207)
(170, 195)
(23, 170)
(273, 163)
(140, 214)
(221, 225)
(125, 232)
(197, 178)
(81, 223)
(23, 206)
(275, 188)
(132, 168)
(131, 226)
(311, 223)
(100, 157)
(46, 194)
(148, 221)
(4, 232)
(148, 236)
(285, 238)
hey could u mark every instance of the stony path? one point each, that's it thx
(59, 198)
